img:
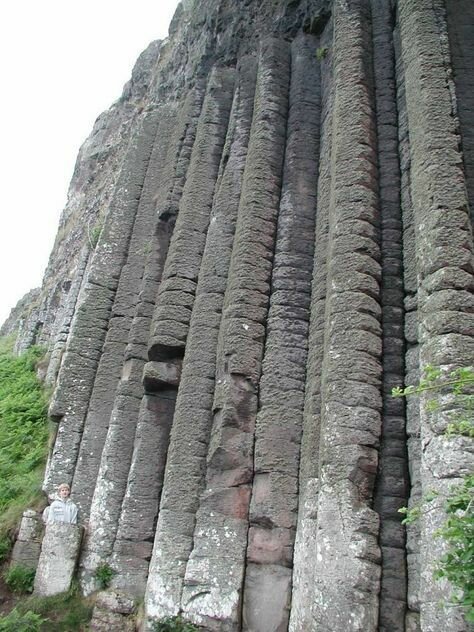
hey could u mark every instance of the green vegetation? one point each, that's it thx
(20, 579)
(174, 624)
(456, 391)
(104, 574)
(94, 233)
(147, 248)
(321, 53)
(67, 612)
(18, 622)
(23, 437)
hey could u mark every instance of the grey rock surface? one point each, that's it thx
(27, 547)
(58, 558)
(265, 234)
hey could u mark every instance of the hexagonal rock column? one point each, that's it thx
(57, 562)
(188, 443)
(444, 261)
(213, 582)
(27, 548)
(274, 499)
(344, 544)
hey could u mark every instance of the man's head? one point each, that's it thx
(64, 491)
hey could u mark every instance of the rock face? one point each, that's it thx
(58, 558)
(27, 548)
(268, 232)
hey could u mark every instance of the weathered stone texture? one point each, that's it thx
(391, 488)
(282, 195)
(443, 241)
(347, 553)
(84, 349)
(27, 547)
(58, 558)
(304, 552)
(191, 426)
(274, 500)
(212, 583)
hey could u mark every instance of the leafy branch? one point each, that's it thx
(457, 564)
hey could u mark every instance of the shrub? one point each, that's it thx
(20, 579)
(18, 622)
(23, 437)
(66, 612)
(104, 574)
(174, 624)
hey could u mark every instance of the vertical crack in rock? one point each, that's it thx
(186, 461)
(412, 413)
(391, 489)
(213, 583)
(305, 540)
(443, 241)
(273, 508)
(78, 370)
(347, 559)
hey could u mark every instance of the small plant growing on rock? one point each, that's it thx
(457, 564)
(104, 574)
(20, 579)
(94, 234)
(321, 53)
(147, 248)
(21, 622)
(174, 624)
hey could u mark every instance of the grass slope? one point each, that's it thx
(23, 437)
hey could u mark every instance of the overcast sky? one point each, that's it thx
(62, 63)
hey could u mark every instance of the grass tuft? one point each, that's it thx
(20, 579)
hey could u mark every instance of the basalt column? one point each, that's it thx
(118, 450)
(274, 502)
(110, 461)
(305, 541)
(186, 461)
(213, 582)
(176, 294)
(77, 374)
(134, 538)
(444, 269)
(110, 366)
(391, 488)
(347, 556)
(64, 326)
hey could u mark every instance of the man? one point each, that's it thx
(62, 509)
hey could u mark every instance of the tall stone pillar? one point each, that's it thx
(443, 240)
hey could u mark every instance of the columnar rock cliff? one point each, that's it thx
(264, 235)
